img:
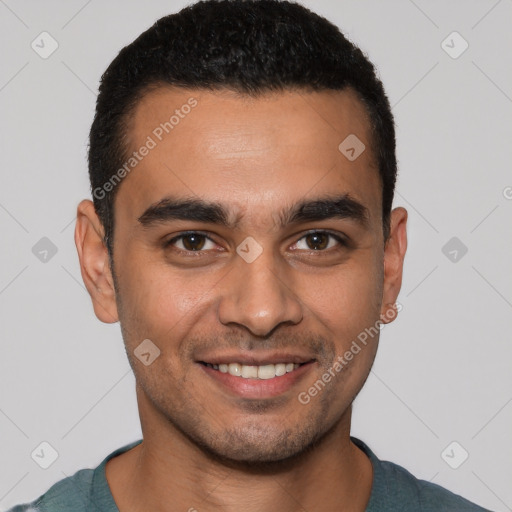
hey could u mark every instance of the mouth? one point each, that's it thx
(250, 380)
(261, 372)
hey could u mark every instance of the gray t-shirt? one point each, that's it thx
(394, 489)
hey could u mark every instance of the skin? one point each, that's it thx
(206, 448)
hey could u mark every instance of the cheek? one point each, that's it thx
(346, 301)
(160, 302)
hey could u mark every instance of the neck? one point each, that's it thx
(167, 468)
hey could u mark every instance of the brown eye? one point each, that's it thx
(319, 241)
(191, 242)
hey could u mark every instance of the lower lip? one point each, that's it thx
(258, 388)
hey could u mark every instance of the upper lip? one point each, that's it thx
(256, 359)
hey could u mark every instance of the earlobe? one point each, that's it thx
(394, 254)
(94, 262)
(389, 312)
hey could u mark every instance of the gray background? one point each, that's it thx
(443, 372)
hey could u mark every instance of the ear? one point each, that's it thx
(394, 254)
(94, 262)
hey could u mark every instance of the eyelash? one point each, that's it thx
(342, 243)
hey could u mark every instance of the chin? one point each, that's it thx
(258, 445)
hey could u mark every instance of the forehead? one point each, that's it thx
(249, 152)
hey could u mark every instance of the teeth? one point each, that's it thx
(267, 371)
(235, 369)
(280, 369)
(249, 372)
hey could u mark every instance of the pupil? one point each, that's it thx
(317, 241)
(191, 241)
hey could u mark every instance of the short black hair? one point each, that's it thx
(248, 46)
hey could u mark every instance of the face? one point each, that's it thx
(249, 250)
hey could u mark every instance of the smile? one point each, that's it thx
(262, 372)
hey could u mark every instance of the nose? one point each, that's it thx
(258, 297)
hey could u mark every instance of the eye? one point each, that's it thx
(191, 242)
(318, 241)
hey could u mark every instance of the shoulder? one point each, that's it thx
(86, 491)
(427, 496)
(395, 488)
(71, 493)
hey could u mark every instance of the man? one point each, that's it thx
(242, 164)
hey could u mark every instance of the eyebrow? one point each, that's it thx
(199, 210)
